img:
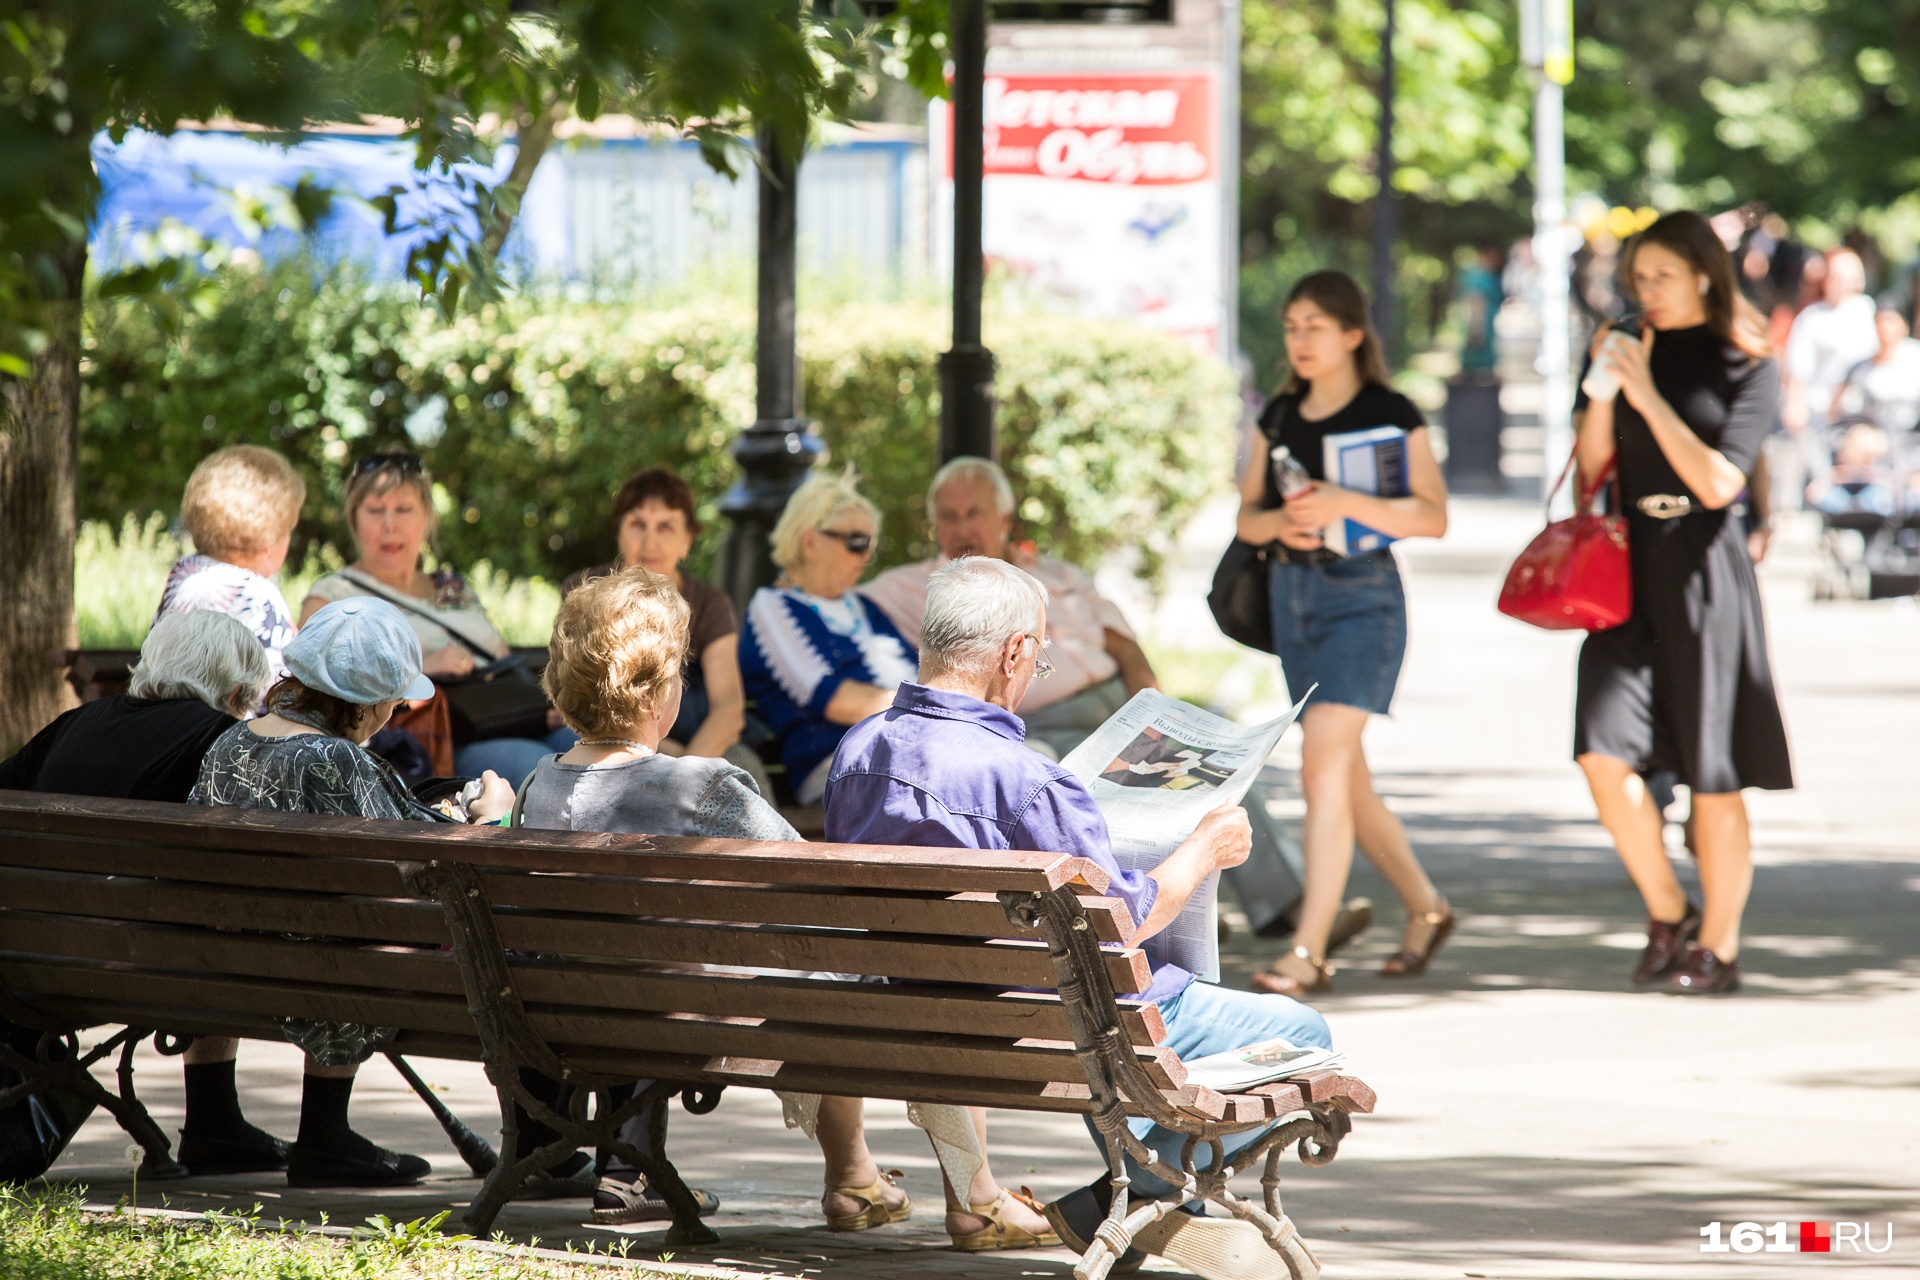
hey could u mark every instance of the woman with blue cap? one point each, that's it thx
(350, 666)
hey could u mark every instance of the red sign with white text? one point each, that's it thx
(1145, 130)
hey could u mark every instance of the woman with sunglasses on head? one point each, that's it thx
(816, 657)
(1678, 413)
(391, 519)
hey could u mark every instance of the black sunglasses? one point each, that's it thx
(858, 543)
(407, 464)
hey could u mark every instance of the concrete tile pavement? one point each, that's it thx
(1537, 1119)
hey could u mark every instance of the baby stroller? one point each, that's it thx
(1860, 500)
(1869, 513)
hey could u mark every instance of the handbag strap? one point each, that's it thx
(1583, 494)
(412, 604)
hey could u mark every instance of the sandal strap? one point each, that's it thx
(871, 1192)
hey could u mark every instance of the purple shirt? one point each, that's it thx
(943, 770)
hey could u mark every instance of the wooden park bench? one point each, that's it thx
(557, 951)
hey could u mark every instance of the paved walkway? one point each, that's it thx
(1537, 1119)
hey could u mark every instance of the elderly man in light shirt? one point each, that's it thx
(1097, 662)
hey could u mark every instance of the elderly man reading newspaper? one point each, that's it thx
(946, 766)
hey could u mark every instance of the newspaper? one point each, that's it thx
(1155, 769)
(1259, 1064)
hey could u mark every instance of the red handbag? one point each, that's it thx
(1576, 573)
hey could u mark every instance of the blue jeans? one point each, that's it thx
(511, 758)
(1341, 625)
(1206, 1019)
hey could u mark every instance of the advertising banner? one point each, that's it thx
(1103, 193)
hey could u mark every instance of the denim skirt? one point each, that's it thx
(1341, 625)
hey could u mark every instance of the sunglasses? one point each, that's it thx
(407, 464)
(858, 543)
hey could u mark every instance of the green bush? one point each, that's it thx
(531, 414)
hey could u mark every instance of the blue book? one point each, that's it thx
(1371, 461)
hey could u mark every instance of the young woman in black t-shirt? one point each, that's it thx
(1340, 622)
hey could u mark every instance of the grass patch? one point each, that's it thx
(118, 575)
(1223, 680)
(50, 1236)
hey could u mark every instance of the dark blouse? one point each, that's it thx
(124, 747)
(1726, 396)
(1373, 406)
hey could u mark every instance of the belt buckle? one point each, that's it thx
(1665, 506)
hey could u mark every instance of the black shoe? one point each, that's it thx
(1703, 973)
(571, 1179)
(242, 1150)
(352, 1164)
(1666, 947)
(1077, 1216)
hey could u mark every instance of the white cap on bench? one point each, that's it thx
(360, 650)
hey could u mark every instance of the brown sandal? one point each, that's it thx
(878, 1213)
(1297, 974)
(1408, 963)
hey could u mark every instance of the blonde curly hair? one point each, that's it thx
(618, 645)
(241, 499)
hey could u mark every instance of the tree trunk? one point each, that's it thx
(534, 136)
(39, 463)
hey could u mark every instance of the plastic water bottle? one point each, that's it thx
(1601, 382)
(1288, 475)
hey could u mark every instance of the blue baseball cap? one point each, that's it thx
(360, 650)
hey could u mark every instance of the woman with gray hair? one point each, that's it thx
(198, 673)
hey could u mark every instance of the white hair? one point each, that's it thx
(974, 605)
(202, 654)
(973, 469)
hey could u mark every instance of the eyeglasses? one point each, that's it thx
(1042, 665)
(856, 542)
(407, 464)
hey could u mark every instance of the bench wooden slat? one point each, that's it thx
(1003, 962)
(920, 1007)
(522, 849)
(968, 914)
(131, 990)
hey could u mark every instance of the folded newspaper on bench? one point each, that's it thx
(1155, 769)
(1259, 1064)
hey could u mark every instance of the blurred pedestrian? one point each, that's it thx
(1828, 339)
(1885, 387)
(1684, 684)
(1340, 622)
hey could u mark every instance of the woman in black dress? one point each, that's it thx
(1683, 685)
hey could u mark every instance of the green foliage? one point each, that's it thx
(48, 1235)
(1810, 105)
(531, 415)
(1310, 84)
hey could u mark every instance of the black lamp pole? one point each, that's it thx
(966, 372)
(1386, 213)
(775, 453)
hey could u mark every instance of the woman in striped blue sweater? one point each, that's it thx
(815, 657)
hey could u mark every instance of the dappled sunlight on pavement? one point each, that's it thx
(1537, 1117)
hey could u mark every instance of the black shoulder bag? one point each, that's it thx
(1240, 597)
(500, 699)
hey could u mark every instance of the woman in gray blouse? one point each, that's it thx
(618, 649)
(351, 664)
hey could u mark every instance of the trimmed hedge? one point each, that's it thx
(532, 414)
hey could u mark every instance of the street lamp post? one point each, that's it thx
(775, 453)
(966, 372)
(1386, 213)
(1546, 46)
